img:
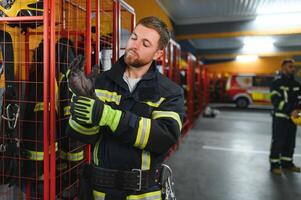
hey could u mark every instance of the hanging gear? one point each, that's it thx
(14, 8)
(167, 183)
(11, 151)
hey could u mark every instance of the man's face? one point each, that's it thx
(288, 68)
(142, 47)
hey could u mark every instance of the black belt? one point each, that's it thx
(134, 180)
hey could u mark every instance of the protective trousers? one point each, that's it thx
(283, 141)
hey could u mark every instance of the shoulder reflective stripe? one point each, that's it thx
(299, 97)
(38, 155)
(168, 114)
(83, 130)
(39, 107)
(282, 115)
(274, 92)
(95, 153)
(98, 195)
(296, 88)
(145, 160)
(281, 105)
(274, 160)
(155, 104)
(75, 156)
(157, 195)
(108, 96)
(143, 132)
(284, 88)
(286, 158)
(67, 110)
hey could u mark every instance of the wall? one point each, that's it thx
(149, 8)
(264, 65)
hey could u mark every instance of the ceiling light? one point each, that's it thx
(280, 20)
(256, 45)
(246, 58)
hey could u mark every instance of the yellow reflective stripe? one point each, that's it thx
(95, 153)
(98, 195)
(157, 195)
(145, 160)
(108, 96)
(38, 155)
(39, 107)
(67, 110)
(168, 114)
(281, 105)
(56, 96)
(83, 130)
(284, 88)
(61, 76)
(274, 92)
(274, 160)
(282, 115)
(296, 89)
(35, 155)
(286, 159)
(143, 133)
(75, 156)
(155, 104)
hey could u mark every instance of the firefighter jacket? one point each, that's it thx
(151, 120)
(285, 95)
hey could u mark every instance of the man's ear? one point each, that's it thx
(158, 54)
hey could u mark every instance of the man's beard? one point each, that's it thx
(134, 61)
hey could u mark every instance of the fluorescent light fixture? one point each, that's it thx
(276, 7)
(254, 45)
(246, 58)
(280, 20)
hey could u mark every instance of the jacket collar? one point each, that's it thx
(117, 71)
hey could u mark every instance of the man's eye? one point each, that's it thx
(134, 38)
(146, 44)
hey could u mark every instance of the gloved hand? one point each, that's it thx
(78, 83)
(87, 111)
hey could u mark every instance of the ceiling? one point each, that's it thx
(222, 29)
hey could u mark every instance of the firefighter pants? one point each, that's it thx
(283, 140)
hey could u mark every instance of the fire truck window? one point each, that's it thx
(262, 81)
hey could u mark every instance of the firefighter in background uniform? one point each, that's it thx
(285, 96)
(132, 124)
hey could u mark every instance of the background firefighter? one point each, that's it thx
(134, 121)
(285, 96)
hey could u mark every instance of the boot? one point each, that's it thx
(276, 171)
(291, 168)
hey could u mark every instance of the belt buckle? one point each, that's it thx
(139, 176)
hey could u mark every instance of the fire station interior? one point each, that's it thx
(223, 53)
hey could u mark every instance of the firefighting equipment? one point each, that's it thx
(94, 112)
(167, 183)
(80, 84)
(10, 147)
(13, 8)
(297, 120)
(150, 124)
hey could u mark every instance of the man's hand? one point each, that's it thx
(78, 83)
(86, 111)
(296, 113)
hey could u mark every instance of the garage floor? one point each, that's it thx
(226, 158)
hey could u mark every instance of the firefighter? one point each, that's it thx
(132, 124)
(285, 96)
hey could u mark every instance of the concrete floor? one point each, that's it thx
(226, 158)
